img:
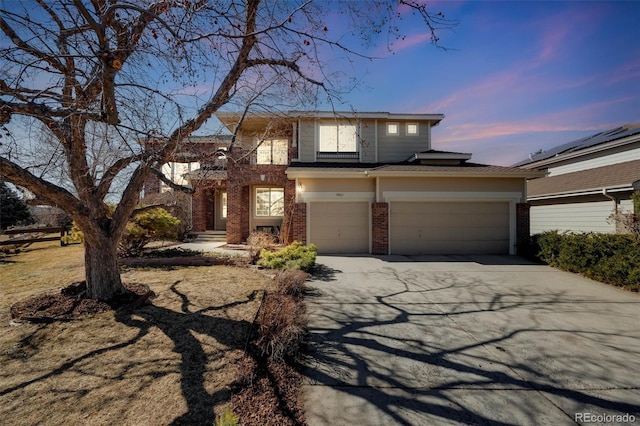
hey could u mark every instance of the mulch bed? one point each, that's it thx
(268, 393)
(71, 303)
(180, 261)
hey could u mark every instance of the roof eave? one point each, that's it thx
(581, 192)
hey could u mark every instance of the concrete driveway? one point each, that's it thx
(469, 340)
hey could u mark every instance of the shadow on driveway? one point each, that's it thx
(482, 340)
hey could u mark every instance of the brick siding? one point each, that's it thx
(380, 231)
(523, 223)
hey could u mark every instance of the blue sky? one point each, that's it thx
(518, 76)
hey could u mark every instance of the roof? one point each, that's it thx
(621, 176)
(578, 145)
(405, 169)
(230, 118)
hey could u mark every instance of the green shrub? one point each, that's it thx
(294, 256)
(75, 236)
(609, 258)
(227, 418)
(154, 224)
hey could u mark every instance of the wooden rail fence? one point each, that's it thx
(34, 235)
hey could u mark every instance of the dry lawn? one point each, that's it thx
(170, 362)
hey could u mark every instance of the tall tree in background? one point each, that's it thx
(84, 83)
(13, 209)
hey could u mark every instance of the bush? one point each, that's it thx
(291, 282)
(609, 258)
(281, 326)
(154, 224)
(75, 236)
(294, 256)
(13, 209)
(259, 241)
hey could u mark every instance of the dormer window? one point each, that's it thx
(393, 129)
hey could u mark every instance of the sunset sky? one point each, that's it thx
(517, 76)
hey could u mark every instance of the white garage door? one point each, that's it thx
(449, 228)
(339, 227)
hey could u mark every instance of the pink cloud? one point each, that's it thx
(628, 71)
(410, 41)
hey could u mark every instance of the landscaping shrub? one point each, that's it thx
(609, 258)
(154, 224)
(294, 256)
(281, 326)
(75, 236)
(258, 241)
(291, 282)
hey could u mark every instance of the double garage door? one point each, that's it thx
(449, 227)
(414, 227)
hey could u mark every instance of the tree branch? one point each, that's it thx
(170, 183)
(54, 194)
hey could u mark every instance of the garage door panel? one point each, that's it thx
(449, 227)
(340, 227)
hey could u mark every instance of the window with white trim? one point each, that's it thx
(270, 202)
(176, 172)
(393, 129)
(272, 151)
(337, 138)
(223, 205)
(412, 129)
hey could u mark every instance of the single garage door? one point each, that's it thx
(449, 227)
(339, 227)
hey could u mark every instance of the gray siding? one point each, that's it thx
(367, 141)
(399, 148)
(578, 217)
(307, 142)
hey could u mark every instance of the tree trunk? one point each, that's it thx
(101, 268)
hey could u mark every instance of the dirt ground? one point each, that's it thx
(172, 361)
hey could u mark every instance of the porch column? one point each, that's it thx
(199, 210)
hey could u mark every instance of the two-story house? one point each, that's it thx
(359, 182)
(588, 181)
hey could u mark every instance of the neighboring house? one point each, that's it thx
(359, 183)
(588, 180)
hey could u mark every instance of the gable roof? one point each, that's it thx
(583, 144)
(621, 176)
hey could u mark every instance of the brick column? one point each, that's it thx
(198, 210)
(380, 231)
(234, 213)
(152, 185)
(300, 222)
(523, 227)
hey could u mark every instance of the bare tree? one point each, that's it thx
(85, 83)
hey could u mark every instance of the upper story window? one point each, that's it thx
(393, 129)
(337, 138)
(412, 129)
(176, 171)
(273, 151)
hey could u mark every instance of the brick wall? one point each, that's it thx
(299, 222)
(151, 185)
(523, 223)
(198, 211)
(380, 231)
(240, 179)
